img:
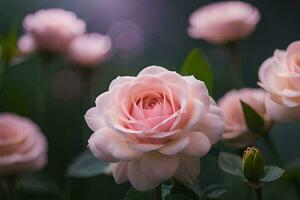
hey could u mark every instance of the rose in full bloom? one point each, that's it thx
(236, 131)
(222, 22)
(53, 29)
(280, 77)
(26, 44)
(89, 50)
(23, 148)
(154, 126)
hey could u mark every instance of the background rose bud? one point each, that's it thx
(236, 131)
(280, 76)
(253, 165)
(89, 50)
(222, 22)
(154, 126)
(26, 44)
(53, 29)
(23, 148)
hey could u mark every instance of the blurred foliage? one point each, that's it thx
(197, 65)
(168, 47)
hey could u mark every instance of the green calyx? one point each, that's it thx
(253, 165)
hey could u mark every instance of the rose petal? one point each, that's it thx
(196, 112)
(152, 70)
(119, 171)
(188, 170)
(141, 147)
(282, 113)
(110, 146)
(138, 178)
(120, 80)
(175, 146)
(158, 166)
(213, 127)
(121, 151)
(199, 145)
(94, 119)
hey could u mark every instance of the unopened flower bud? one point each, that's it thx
(253, 165)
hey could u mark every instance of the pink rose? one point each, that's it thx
(89, 50)
(53, 29)
(26, 44)
(222, 22)
(236, 131)
(280, 76)
(23, 148)
(154, 126)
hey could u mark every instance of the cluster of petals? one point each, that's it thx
(236, 132)
(89, 49)
(154, 126)
(52, 30)
(279, 75)
(23, 148)
(223, 22)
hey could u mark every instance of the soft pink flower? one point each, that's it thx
(223, 21)
(23, 148)
(280, 76)
(89, 50)
(53, 29)
(154, 126)
(26, 44)
(236, 131)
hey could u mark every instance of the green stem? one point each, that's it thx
(86, 77)
(235, 64)
(280, 163)
(67, 189)
(274, 150)
(42, 91)
(158, 193)
(11, 186)
(2, 73)
(258, 192)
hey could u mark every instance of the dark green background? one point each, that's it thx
(164, 24)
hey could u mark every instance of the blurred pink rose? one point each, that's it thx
(53, 29)
(23, 148)
(280, 76)
(236, 131)
(154, 126)
(26, 44)
(223, 21)
(89, 50)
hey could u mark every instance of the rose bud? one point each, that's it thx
(236, 132)
(154, 127)
(253, 165)
(280, 77)
(53, 29)
(223, 22)
(23, 148)
(89, 50)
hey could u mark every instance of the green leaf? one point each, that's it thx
(214, 191)
(292, 169)
(180, 188)
(272, 173)
(166, 187)
(231, 164)
(196, 64)
(177, 197)
(87, 165)
(38, 184)
(134, 194)
(254, 121)
(9, 44)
